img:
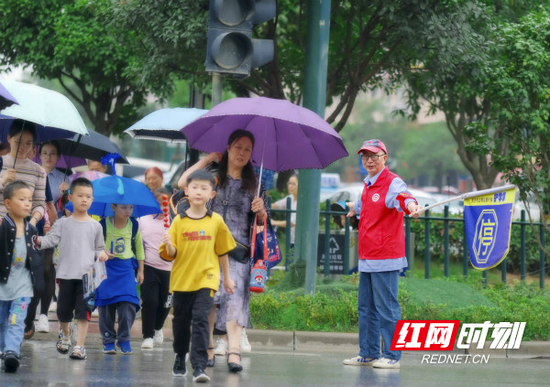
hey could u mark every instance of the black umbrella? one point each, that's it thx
(6, 99)
(92, 147)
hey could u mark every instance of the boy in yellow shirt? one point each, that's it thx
(195, 242)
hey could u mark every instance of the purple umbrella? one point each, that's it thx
(290, 136)
(6, 99)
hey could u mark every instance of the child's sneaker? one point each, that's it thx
(179, 366)
(78, 353)
(148, 343)
(221, 347)
(200, 376)
(11, 361)
(125, 347)
(43, 324)
(159, 337)
(109, 349)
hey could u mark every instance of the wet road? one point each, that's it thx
(43, 366)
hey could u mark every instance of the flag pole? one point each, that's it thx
(468, 195)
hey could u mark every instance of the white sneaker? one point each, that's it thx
(43, 325)
(221, 347)
(158, 339)
(148, 343)
(386, 363)
(245, 344)
(360, 361)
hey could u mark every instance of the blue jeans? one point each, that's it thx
(12, 323)
(379, 311)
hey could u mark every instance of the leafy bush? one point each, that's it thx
(333, 308)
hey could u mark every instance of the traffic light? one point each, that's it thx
(230, 48)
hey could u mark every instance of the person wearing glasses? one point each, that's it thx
(56, 184)
(381, 255)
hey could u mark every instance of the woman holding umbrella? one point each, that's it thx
(237, 202)
(17, 166)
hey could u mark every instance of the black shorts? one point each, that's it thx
(71, 299)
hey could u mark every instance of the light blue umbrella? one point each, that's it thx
(121, 190)
(165, 124)
(54, 114)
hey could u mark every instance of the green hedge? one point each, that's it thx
(333, 308)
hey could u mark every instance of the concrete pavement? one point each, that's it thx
(43, 366)
(303, 341)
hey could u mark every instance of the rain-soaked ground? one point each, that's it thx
(43, 366)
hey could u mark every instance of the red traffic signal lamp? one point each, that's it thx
(231, 48)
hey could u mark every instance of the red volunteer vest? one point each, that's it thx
(381, 231)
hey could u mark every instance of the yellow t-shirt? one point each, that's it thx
(198, 243)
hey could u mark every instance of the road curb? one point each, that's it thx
(313, 341)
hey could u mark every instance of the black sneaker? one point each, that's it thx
(11, 361)
(200, 376)
(179, 366)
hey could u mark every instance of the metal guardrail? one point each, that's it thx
(446, 219)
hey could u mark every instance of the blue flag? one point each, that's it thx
(488, 222)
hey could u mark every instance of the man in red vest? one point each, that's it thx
(381, 255)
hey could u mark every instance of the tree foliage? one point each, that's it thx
(414, 150)
(519, 91)
(70, 41)
(369, 42)
(461, 94)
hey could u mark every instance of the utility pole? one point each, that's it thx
(317, 45)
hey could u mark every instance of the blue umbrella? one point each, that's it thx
(164, 124)
(121, 190)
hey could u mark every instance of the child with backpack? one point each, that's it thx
(117, 294)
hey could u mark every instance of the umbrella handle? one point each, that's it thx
(70, 155)
(19, 145)
(262, 163)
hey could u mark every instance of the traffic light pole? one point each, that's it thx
(307, 225)
(216, 88)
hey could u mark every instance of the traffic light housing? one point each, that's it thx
(231, 48)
